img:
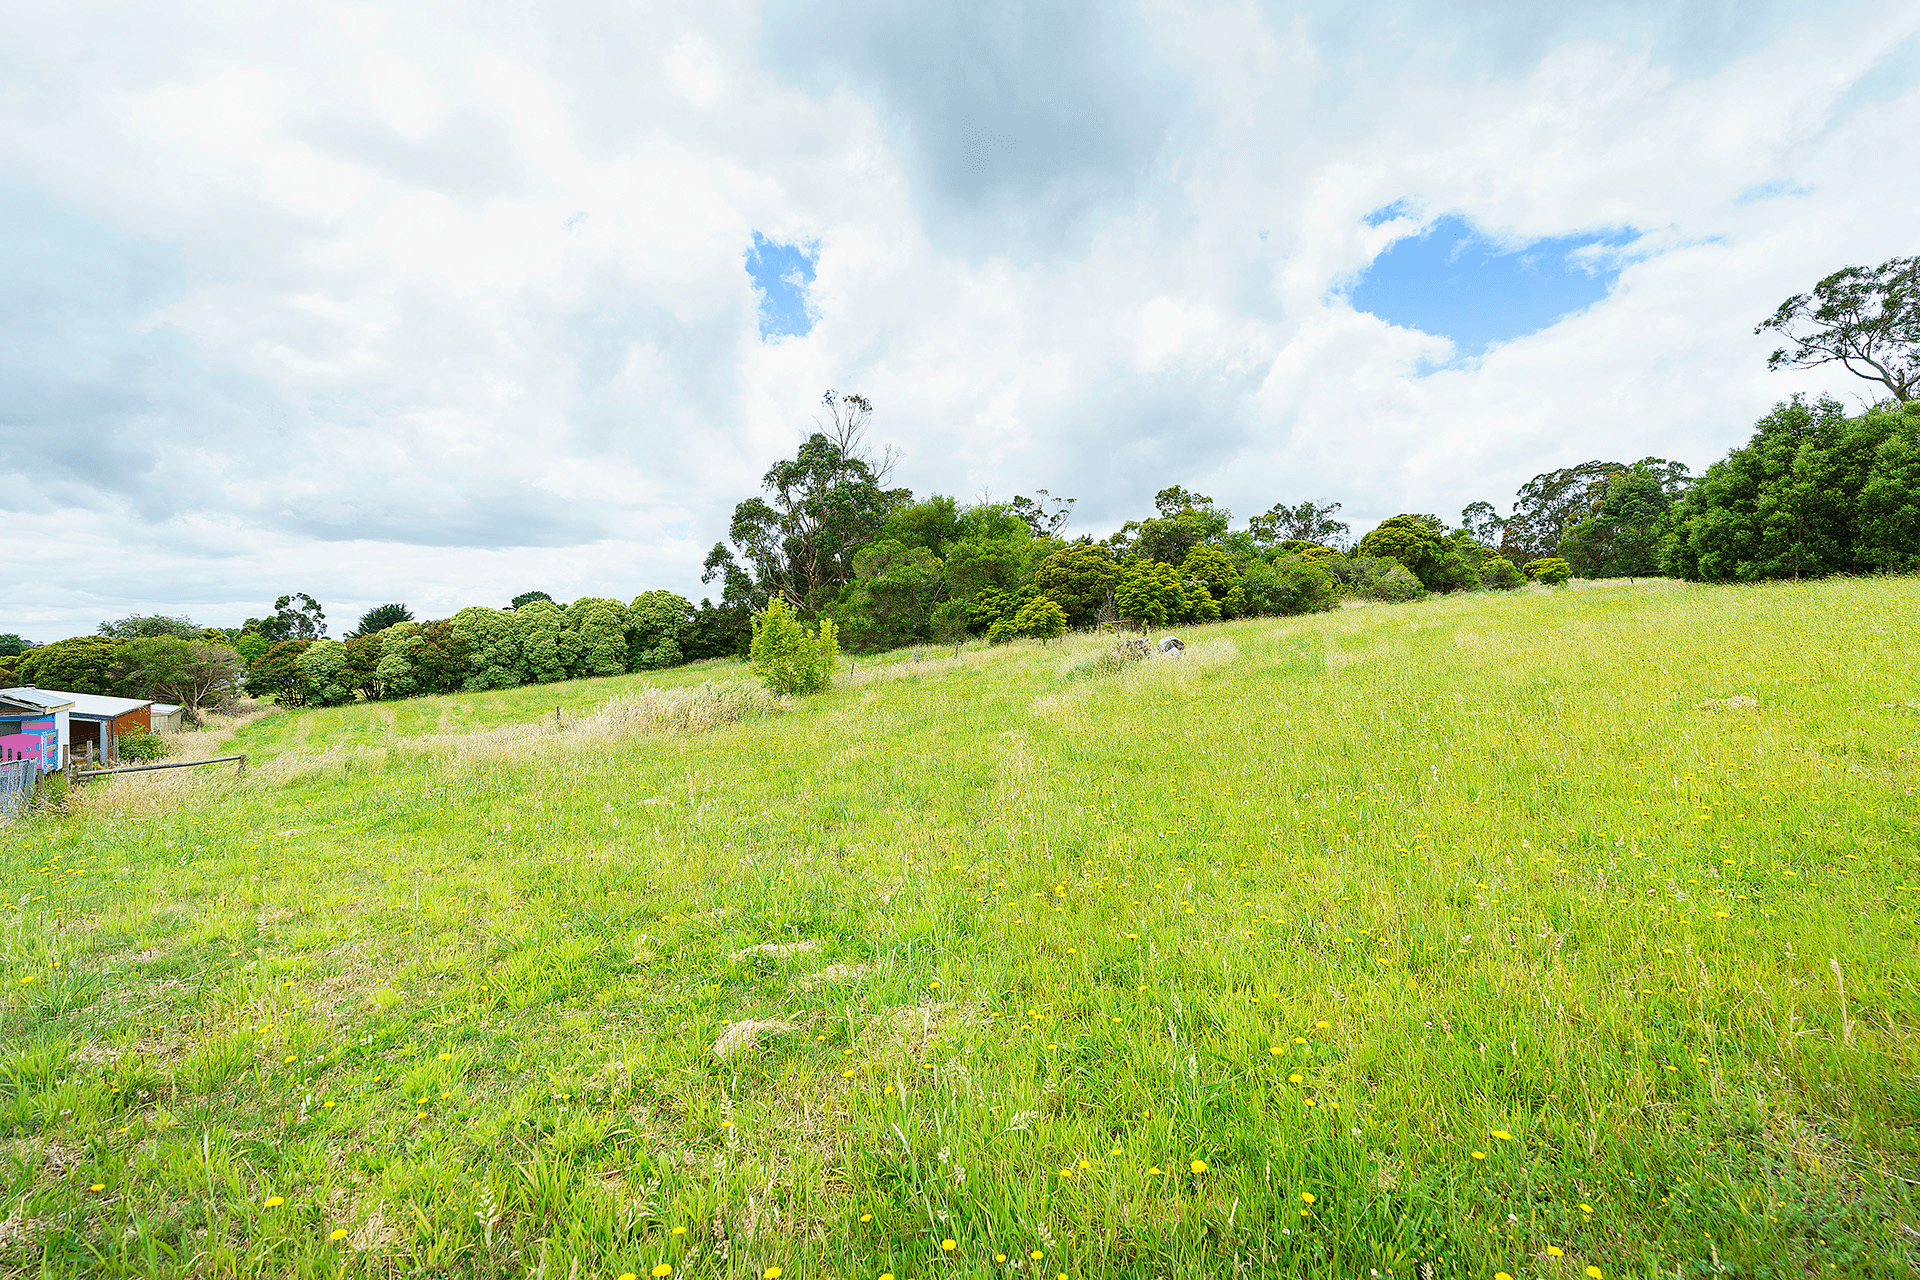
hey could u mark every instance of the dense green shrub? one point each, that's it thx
(1040, 618)
(276, 674)
(1150, 592)
(786, 658)
(395, 672)
(419, 658)
(1390, 583)
(142, 748)
(1078, 578)
(892, 597)
(599, 629)
(1209, 566)
(1442, 561)
(1499, 574)
(1813, 492)
(657, 623)
(84, 664)
(548, 649)
(490, 640)
(1288, 585)
(1552, 570)
(323, 671)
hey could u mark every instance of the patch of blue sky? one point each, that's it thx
(1457, 282)
(1388, 212)
(1769, 191)
(782, 274)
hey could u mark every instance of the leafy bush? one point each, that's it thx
(1209, 566)
(1078, 579)
(599, 637)
(547, 647)
(276, 674)
(1041, 618)
(1499, 574)
(142, 747)
(1553, 571)
(658, 622)
(1288, 585)
(491, 642)
(323, 670)
(1392, 584)
(1150, 592)
(786, 658)
(1813, 492)
(84, 664)
(197, 674)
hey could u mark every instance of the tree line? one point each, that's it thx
(1815, 490)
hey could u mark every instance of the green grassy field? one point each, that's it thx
(1458, 935)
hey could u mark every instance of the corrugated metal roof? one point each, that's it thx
(37, 699)
(79, 704)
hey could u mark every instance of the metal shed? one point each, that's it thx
(93, 723)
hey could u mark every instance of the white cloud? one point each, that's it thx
(440, 306)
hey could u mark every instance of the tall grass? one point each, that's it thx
(1479, 935)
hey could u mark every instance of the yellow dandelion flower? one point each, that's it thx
(338, 1233)
(1479, 1155)
(1503, 1135)
(1594, 1272)
(446, 1057)
(274, 1202)
(865, 1217)
(771, 1273)
(886, 1275)
(1312, 1103)
(290, 1058)
(1586, 1208)
(1553, 1251)
(1198, 1166)
(1501, 1275)
(1036, 1255)
(1153, 1170)
(999, 1257)
(1086, 1164)
(1276, 1050)
(948, 1246)
(98, 1186)
(1295, 1078)
(661, 1269)
(680, 1231)
(1323, 1025)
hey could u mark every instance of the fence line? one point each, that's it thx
(88, 775)
(18, 777)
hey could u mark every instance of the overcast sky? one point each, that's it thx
(440, 303)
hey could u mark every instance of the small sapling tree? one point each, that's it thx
(786, 658)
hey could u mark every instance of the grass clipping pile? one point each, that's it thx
(643, 713)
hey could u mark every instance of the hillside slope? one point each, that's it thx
(1525, 933)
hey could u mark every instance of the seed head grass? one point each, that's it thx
(1477, 934)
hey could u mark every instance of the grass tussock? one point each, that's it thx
(1528, 933)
